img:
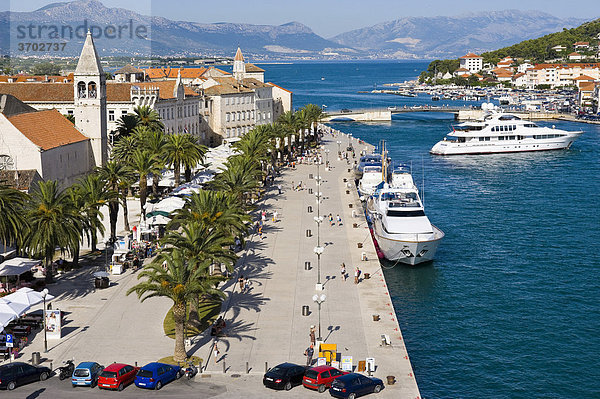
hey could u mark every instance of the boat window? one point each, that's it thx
(396, 213)
(461, 139)
(509, 118)
(530, 125)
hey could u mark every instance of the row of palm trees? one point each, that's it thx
(199, 236)
(202, 233)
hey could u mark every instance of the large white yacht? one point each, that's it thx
(400, 226)
(501, 133)
(371, 177)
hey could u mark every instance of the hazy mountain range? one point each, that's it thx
(412, 37)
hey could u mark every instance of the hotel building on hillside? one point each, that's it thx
(472, 62)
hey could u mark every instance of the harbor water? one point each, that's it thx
(509, 308)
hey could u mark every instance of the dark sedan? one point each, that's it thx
(284, 376)
(19, 373)
(354, 385)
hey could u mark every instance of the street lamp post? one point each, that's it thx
(349, 139)
(327, 157)
(319, 299)
(339, 150)
(44, 293)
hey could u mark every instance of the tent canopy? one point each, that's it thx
(17, 266)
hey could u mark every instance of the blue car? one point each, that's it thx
(155, 375)
(86, 374)
(354, 385)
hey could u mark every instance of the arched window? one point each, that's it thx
(81, 92)
(92, 90)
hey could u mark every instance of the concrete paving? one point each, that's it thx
(265, 324)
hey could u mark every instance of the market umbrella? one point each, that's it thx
(6, 318)
(15, 308)
(27, 296)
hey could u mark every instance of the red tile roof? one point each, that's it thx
(471, 55)
(273, 84)
(47, 129)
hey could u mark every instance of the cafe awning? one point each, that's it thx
(17, 266)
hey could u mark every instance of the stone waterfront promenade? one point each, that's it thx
(265, 323)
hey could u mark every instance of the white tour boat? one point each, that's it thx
(371, 177)
(502, 133)
(400, 226)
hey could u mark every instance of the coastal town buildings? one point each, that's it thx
(44, 141)
(472, 62)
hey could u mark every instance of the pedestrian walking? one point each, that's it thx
(263, 216)
(309, 352)
(343, 271)
(331, 219)
(274, 216)
(279, 188)
(241, 282)
(216, 352)
(293, 187)
(339, 220)
(312, 335)
(356, 275)
(260, 233)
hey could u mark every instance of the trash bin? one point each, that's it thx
(307, 265)
(305, 310)
(35, 358)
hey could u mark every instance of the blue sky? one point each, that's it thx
(326, 17)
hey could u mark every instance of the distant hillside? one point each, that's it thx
(540, 49)
(449, 37)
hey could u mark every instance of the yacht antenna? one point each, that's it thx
(423, 183)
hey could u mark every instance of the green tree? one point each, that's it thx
(54, 223)
(126, 124)
(46, 68)
(148, 117)
(240, 177)
(114, 173)
(181, 149)
(144, 163)
(12, 222)
(181, 281)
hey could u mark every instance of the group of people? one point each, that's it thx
(344, 272)
(333, 221)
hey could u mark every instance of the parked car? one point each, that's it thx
(14, 374)
(86, 374)
(354, 385)
(155, 375)
(320, 377)
(346, 111)
(117, 376)
(284, 376)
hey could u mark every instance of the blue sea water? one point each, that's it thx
(510, 307)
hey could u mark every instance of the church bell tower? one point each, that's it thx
(239, 68)
(90, 100)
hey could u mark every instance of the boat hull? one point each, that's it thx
(407, 248)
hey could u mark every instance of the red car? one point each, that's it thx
(321, 377)
(117, 376)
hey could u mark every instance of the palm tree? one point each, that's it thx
(144, 163)
(181, 281)
(181, 149)
(289, 120)
(217, 209)
(303, 122)
(54, 223)
(12, 222)
(114, 173)
(125, 147)
(155, 142)
(95, 196)
(202, 247)
(240, 177)
(148, 117)
(315, 114)
(125, 126)
(195, 156)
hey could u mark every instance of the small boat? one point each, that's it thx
(366, 160)
(371, 178)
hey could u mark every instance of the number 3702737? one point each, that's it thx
(44, 46)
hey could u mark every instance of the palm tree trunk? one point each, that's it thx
(113, 211)
(76, 251)
(94, 240)
(125, 213)
(177, 170)
(188, 174)
(179, 316)
(193, 318)
(155, 179)
(48, 268)
(143, 189)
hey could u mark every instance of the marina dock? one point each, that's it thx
(266, 324)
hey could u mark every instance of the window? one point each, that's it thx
(123, 112)
(70, 112)
(111, 115)
(227, 116)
